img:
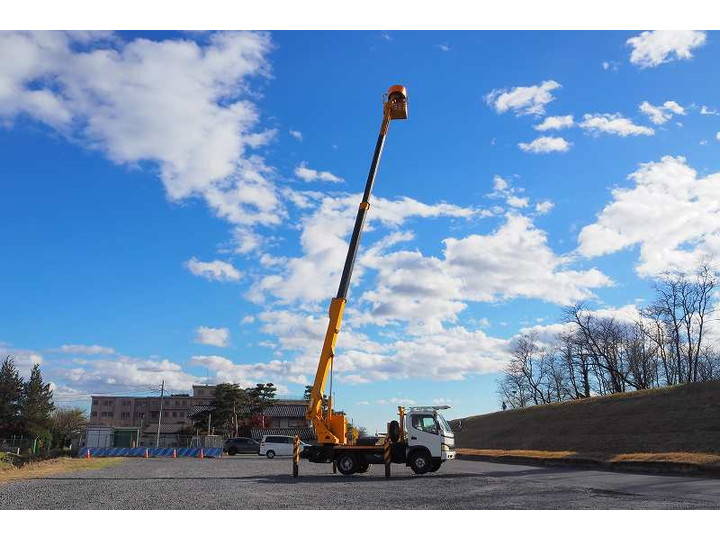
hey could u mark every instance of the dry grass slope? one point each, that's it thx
(677, 419)
(50, 467)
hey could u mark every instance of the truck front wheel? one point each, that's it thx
(420, 461)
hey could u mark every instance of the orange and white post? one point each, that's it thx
(296, 456)
(387, 453)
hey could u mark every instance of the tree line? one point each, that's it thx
(234, 410)
(27, 410)
(665, 344)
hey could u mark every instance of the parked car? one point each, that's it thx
(278, 445)
(241, 445)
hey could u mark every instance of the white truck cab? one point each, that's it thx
(428, 435)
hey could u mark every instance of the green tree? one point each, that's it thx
(66, 424)
(11, 390)
(260, 397)
(226, 409)
(36, 405)
(308, 392)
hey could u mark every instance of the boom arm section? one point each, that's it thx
(329, 426)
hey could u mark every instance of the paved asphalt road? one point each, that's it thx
(245, 482)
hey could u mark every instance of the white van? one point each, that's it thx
(276, 445)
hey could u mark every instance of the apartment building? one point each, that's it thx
(142, 414)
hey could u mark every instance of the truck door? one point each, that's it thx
(423, 431)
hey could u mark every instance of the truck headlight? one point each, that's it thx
(444, 447)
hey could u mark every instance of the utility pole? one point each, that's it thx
(162, 393)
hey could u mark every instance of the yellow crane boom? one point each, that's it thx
(330, 426)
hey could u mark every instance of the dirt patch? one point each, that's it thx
(50, 467)
(662, 462)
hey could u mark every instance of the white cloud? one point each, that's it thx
(313, 276)
(126, 374)
(444, 47)
(523, 99)
(546, 334)
(717, 135)
(662, 113)
(614, 124)
(610, 66)
(24, 359)
(670, 212)
(499, 183)
(651, 49)
(674, 107)
(86, 349)
(515, 261)
(213, 270)
(545, 145)
(225, 370)
(246, 240)
(518, 202)
(296, 134)
(303, 172)
(396, 401)
(175, 104)
(247, 319)
(217, 337)
(449, 354)
(555, 122)
(705, 110)
(544, 207)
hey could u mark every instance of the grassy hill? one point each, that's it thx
(675, 419)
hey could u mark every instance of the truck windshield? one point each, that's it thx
(443, 423)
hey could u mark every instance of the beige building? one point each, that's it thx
(142, 413)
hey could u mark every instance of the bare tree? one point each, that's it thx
(680, 313)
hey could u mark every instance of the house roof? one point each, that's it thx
(281, 409)
(290, 411)
(306, 433)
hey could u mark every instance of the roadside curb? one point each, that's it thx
(660, 467)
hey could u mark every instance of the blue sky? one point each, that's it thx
(176, 205)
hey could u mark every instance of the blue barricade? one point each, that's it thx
(152, 452)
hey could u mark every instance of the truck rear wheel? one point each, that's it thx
(420, 461)
(347, 464)
(363, 468)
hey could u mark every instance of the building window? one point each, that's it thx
(94, 413)
(125, 415)
(108, 402)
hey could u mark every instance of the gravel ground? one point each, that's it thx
(252, 482)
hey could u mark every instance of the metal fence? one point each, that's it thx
(23, 445)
